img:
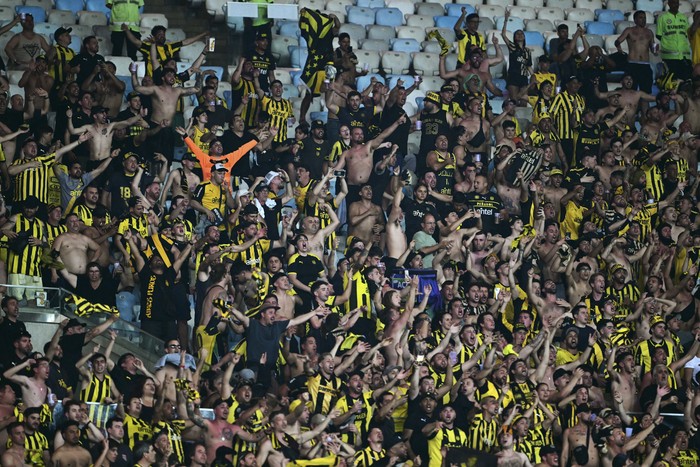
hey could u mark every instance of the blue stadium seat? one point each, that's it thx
(388, 17)
(455, 9)
(323, 116)
(228, 97)
(290, 28)
(361, 16)
(609, 16)
(364, 81)
(405, 45)
(599, 28)
(296, 77)
(408, 80)
(98, 5)
(445, 21)
(499, 84)
(371, 3)
(72, 5)
(534, 38)
(37, 12)
(298, 55)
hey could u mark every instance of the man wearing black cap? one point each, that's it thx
(134, 105)
(101, 132)
(164, 50)
(549, 455)
(313, 150)
(578, 439)
(262, 60)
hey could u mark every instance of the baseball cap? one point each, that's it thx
(544, 115)
(654, 320)
(61, 31)
(198, 111)
(620, 460)
(549, 449)
(250, 209)
(559, 373)
(318, 124)
(554, 172)
(219, 167)
(446, 88)
(262, 35)
(616, 267)
(271, 175)
(278, 275)
(132, 94)
(72, 323)
(432, 97)
(98, 109)
(264, 308)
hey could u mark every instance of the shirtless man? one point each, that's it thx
(71, 454)
(365, 217)
(396, 241)
(14, 456)
(623, 373)
(101, 131)
(282, 285)
(629, 97)
(219, 432)
(477, 126)
(166, 95)
(181, 181)
(476, 64)
(640, 40)
(554, 192)
(578, 435)
(34, 389)
(35, 77)
(656, 123)
(508, 456)
(8, 400)
(690, 105)
(72, 247)
(106, 88)
(359, 158)
(315, 235)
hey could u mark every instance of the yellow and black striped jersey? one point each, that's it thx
(34, 181)
(279, 111)
(59, 69)
(566, 111)
(28, 261)
(97, 390)
(324, 392)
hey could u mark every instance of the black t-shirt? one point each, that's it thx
(72, 346)
(312, 154)
(8, 330)
(414, 212)
(105, 293)
(489, 204)
(231, 141)
(124, 381)
(417, 419)
(264, 62)
(120, 189)
(87, 63)
(266, 339)
(156, 295)
(400, 135)
(57, 381)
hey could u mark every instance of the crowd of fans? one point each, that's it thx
(506, 292)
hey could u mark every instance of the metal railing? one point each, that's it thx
(48, 305)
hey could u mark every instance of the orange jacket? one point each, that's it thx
(207, 161)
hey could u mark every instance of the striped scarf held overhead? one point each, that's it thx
(85, 308)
